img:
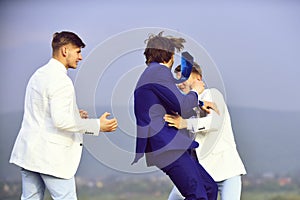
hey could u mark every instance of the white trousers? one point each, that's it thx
(34, 185)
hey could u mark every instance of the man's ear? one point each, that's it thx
(64, 51)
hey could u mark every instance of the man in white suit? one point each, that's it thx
(49, 145)
(217, 152)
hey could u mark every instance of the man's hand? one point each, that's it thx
(198, 86)
(210, 105)
(176, 121)
(83, 114)
(108, 125)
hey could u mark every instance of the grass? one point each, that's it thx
(270, 195)
(247, 195)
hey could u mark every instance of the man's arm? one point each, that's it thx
(175, 101)
(191, 124)
(66, 116)
(211, 122)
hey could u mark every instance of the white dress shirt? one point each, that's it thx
(51, 135)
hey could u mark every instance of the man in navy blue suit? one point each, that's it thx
(168, 148)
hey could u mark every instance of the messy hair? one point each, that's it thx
(161, 48)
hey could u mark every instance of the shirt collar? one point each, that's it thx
(58, 65)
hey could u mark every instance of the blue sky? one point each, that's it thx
(255, 44)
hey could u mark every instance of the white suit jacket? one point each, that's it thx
(50, 138)
(217, 152)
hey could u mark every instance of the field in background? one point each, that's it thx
(158, 188)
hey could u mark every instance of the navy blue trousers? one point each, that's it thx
(191, 179)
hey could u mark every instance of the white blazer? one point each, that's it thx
(50, 138)
(217, 152)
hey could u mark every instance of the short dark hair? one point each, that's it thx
(161, 48)
(66, 37)
(195, 69)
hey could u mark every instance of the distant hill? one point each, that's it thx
(268, 141)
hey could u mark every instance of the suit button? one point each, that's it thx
(80, 144)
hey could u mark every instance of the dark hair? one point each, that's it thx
(195, 69)
(161, 48)
(65, 37)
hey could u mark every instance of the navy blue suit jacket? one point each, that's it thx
(155, 95)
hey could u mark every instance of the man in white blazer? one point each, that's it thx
(217, 152)
(49, 144)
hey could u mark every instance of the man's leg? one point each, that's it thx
(210, 185)
(230, 189)
(188, 177)
(33, 187)
(175, 194)
(60, 189)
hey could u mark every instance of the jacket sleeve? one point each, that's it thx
(213, 121)
(176, 101)
(65, 113)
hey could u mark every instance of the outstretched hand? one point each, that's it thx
(108, 125)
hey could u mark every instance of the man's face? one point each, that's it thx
(185, 86)
(73, 56)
